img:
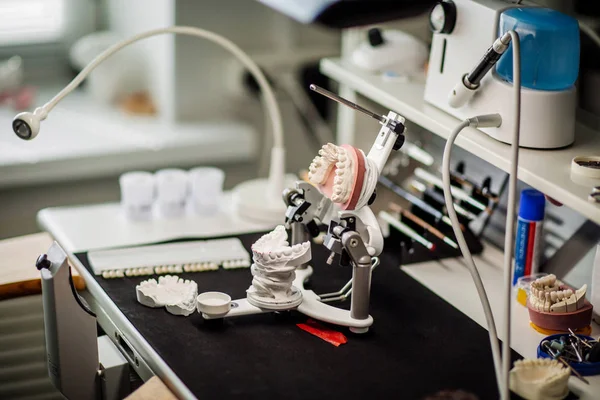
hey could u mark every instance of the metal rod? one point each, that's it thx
(348, 103)
(556, 355)
(405, 213)
(405, 229)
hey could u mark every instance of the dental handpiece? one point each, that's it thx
(469, 83)
(489, 59)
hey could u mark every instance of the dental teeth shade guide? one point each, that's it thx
(194, 256)
(344, 180)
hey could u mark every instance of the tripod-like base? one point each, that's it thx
(310, 306)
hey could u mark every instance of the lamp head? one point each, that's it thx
(26, 125)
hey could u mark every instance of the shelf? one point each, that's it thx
(545, 170)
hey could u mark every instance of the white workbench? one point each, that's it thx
(83, 228)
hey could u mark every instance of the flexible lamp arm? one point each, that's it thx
(26, 125)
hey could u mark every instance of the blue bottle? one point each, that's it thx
(549, 48)
(528, 242)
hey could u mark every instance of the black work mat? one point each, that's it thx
(418, 345)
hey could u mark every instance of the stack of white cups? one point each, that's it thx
(170, 193)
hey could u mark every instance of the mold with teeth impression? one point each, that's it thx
(274, 268)
(539, 379)
(177, 295)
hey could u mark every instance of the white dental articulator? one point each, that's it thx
(342, 186)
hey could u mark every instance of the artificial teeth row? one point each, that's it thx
(233, 264)
(343, 178)
(321, 165)
(171, 269)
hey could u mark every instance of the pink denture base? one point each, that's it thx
(358, 167)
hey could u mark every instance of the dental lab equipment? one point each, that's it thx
(172, 190)
(392, 53)
(138, 193)
(548, 95)
(547, 347)
(206, 186)
(406, 230)
(80, 364)
(258, 199)
(405, 213)
(530, 224)
(414, 200)
(432, 195)
(169, 258)
(342, 186)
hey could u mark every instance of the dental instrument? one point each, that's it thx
(257, 199)
(342, 186)
(414, 200)
(456, 192)
(436, 232)
(556, 355)
(431, 194)
(457, 71)
(406, 230)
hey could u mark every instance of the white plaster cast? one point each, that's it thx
(539, 379)
(177, 295)
(274, 268)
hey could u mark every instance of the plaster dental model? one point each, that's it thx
(177, 295)
(540, 379)
(273, 270)
(546, 296)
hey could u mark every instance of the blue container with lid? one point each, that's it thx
(549, 48)
(528, 242)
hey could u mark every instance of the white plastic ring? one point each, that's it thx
(588, 166)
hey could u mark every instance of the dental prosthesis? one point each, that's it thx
(539, 379)
(177, 295)
(545, 295)
(343, 174)
(273, 271)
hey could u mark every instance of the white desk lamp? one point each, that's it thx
(257, 199)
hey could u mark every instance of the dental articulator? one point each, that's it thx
(342, 181)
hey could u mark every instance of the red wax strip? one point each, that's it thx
(329, 335)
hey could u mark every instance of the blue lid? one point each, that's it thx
(549, 48)
(532, 206)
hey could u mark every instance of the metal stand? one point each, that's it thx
(80, 365)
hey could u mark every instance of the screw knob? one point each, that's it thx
(43, 262)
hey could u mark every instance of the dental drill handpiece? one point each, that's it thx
(469, 83)
(489, 59)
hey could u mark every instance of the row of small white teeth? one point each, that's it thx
(170, 269)
(233, 264)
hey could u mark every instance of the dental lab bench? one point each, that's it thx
(428, 333)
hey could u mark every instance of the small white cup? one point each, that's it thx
(207, 189)
(172, 191)
(137, 194)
